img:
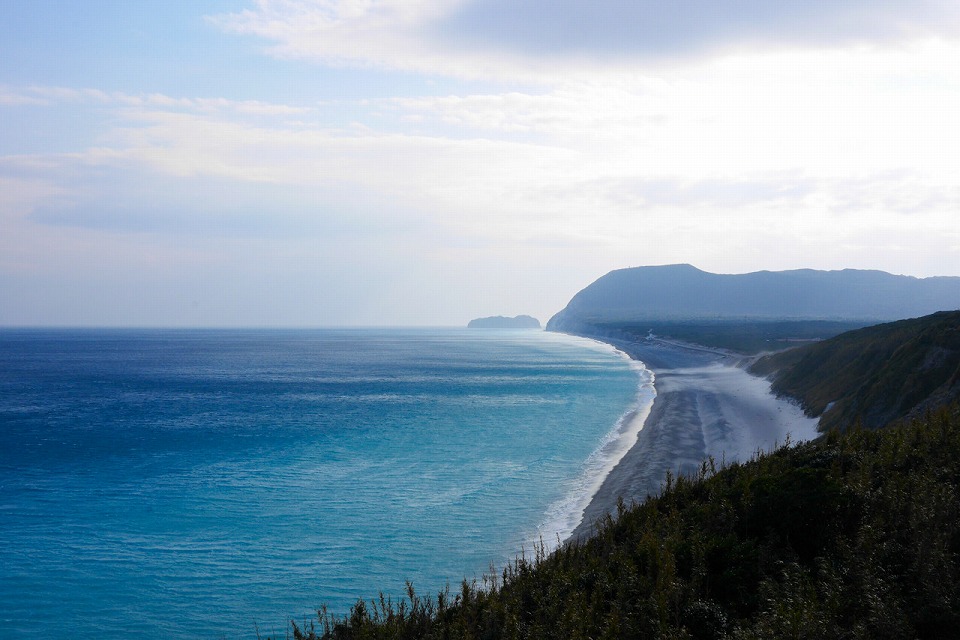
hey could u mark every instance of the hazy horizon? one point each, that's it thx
(331, 163)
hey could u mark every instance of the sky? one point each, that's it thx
(415, 162)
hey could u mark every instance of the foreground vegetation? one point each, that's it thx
(856, 535)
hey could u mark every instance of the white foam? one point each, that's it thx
(564, 515)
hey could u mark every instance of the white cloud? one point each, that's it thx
(10, 98)
(392, 34)
(650, 29)
(778, 158)
(846, 114)
(51, 95)
(340, 32)
(725, 144)
(546, 40)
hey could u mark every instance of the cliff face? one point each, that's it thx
(501, 322)
(681, 292)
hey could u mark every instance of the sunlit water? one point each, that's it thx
(204, 484)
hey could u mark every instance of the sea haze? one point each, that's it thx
(196, 483)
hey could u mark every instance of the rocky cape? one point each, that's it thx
(683, 292)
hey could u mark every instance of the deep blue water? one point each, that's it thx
(196, 483)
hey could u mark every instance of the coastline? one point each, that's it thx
(564, 515)
(705, 405)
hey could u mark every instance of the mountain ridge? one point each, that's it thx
(684, 292)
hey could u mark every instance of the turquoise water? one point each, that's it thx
(205, 484)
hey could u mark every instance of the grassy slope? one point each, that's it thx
(856, 535)
(876, 375)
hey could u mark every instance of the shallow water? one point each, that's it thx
(199, 483)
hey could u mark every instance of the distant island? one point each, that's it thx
(502, 322)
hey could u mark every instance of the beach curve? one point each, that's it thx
(705, 406)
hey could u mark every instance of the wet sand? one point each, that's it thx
(706, 405)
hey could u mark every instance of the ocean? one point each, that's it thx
(219, 483)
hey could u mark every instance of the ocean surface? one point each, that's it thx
(217, 484)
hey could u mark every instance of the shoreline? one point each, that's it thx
(565, 515)
(705, 405)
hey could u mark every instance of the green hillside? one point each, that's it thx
(874, 375)
(856, 535)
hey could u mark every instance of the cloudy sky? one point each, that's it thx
(423, 162)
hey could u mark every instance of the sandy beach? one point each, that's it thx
(706, 405)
